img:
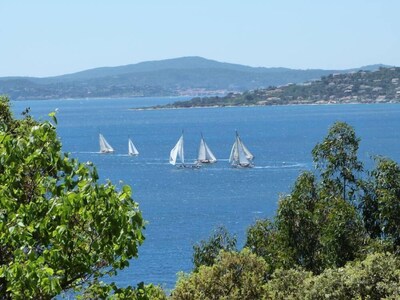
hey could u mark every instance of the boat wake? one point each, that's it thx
(85, 152)
(283, 166)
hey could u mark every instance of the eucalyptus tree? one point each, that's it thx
(336, 158)
(381, 201)
(206, 251)
(316, 227)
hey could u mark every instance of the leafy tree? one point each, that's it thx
(375, 277)
(342, 235)
(234, 276)
(336, 158)
(100, 290)
(298, 226)
(6, 118)
(263, 240)
(315, 227)
(318, 232)
(287, 284)
(205, 252)
(59, 227)
(381, 201)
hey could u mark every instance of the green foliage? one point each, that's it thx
(381, 203)
(205, 252)
(59, 227)
(359, 87)
(298, 225)
(376, 277)
(309, 231)
(336, 158)
(6, 118)
(100, 290)
(234, 276)
(315, 227)
(262, 239)
(342, 236)
(287, 284)
(243, 276)
(313, 249)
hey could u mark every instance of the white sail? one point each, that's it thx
(104, 146)
(177, 152)
(246, 151)
(240, 155)
(205, 154)
(132, 149)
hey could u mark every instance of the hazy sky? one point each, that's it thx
(49, 37)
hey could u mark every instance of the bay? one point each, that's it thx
(183, 206)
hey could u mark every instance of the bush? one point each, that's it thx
(234, 276)
(205, 252)
(376, 277)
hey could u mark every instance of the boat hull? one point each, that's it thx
(240, 166)
(191, 166)
(206, 161)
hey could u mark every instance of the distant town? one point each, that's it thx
(381, 86)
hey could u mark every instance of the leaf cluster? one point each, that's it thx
(59, 227)
(205, 252)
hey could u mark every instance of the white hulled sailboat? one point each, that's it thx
(105, 147)
(240, 155)
(205, 154)
(177, 154)
(132, 151)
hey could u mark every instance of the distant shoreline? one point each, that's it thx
(102, 98)
(252, 105)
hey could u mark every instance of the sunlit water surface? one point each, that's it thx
(183, 206)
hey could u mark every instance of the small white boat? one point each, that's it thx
(240, 155)
(132, 151)
(105, 147)
(205, 154)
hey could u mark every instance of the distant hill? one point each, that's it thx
(170, 77)
(380, 86)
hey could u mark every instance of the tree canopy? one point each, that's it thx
(334, 236)
(60, 228)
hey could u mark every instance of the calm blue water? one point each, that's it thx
(184, 206)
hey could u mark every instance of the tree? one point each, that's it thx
(318, 231)
(315, 226)
(261, 239)
(205, 252)
(59, 227)
(298, 227)
(375, 277)
(100, 290)
(336, 158)
(234, 276)
(381, 201)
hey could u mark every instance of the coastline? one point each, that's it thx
(101, 98)
(253, 105)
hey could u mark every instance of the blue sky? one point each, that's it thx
(47, 37)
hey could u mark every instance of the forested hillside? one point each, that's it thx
(172, 77)
(378, 86)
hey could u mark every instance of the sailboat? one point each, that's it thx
(177, 153)
(105, 147)
(132, 151)
(240, 155)
(205, 154)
